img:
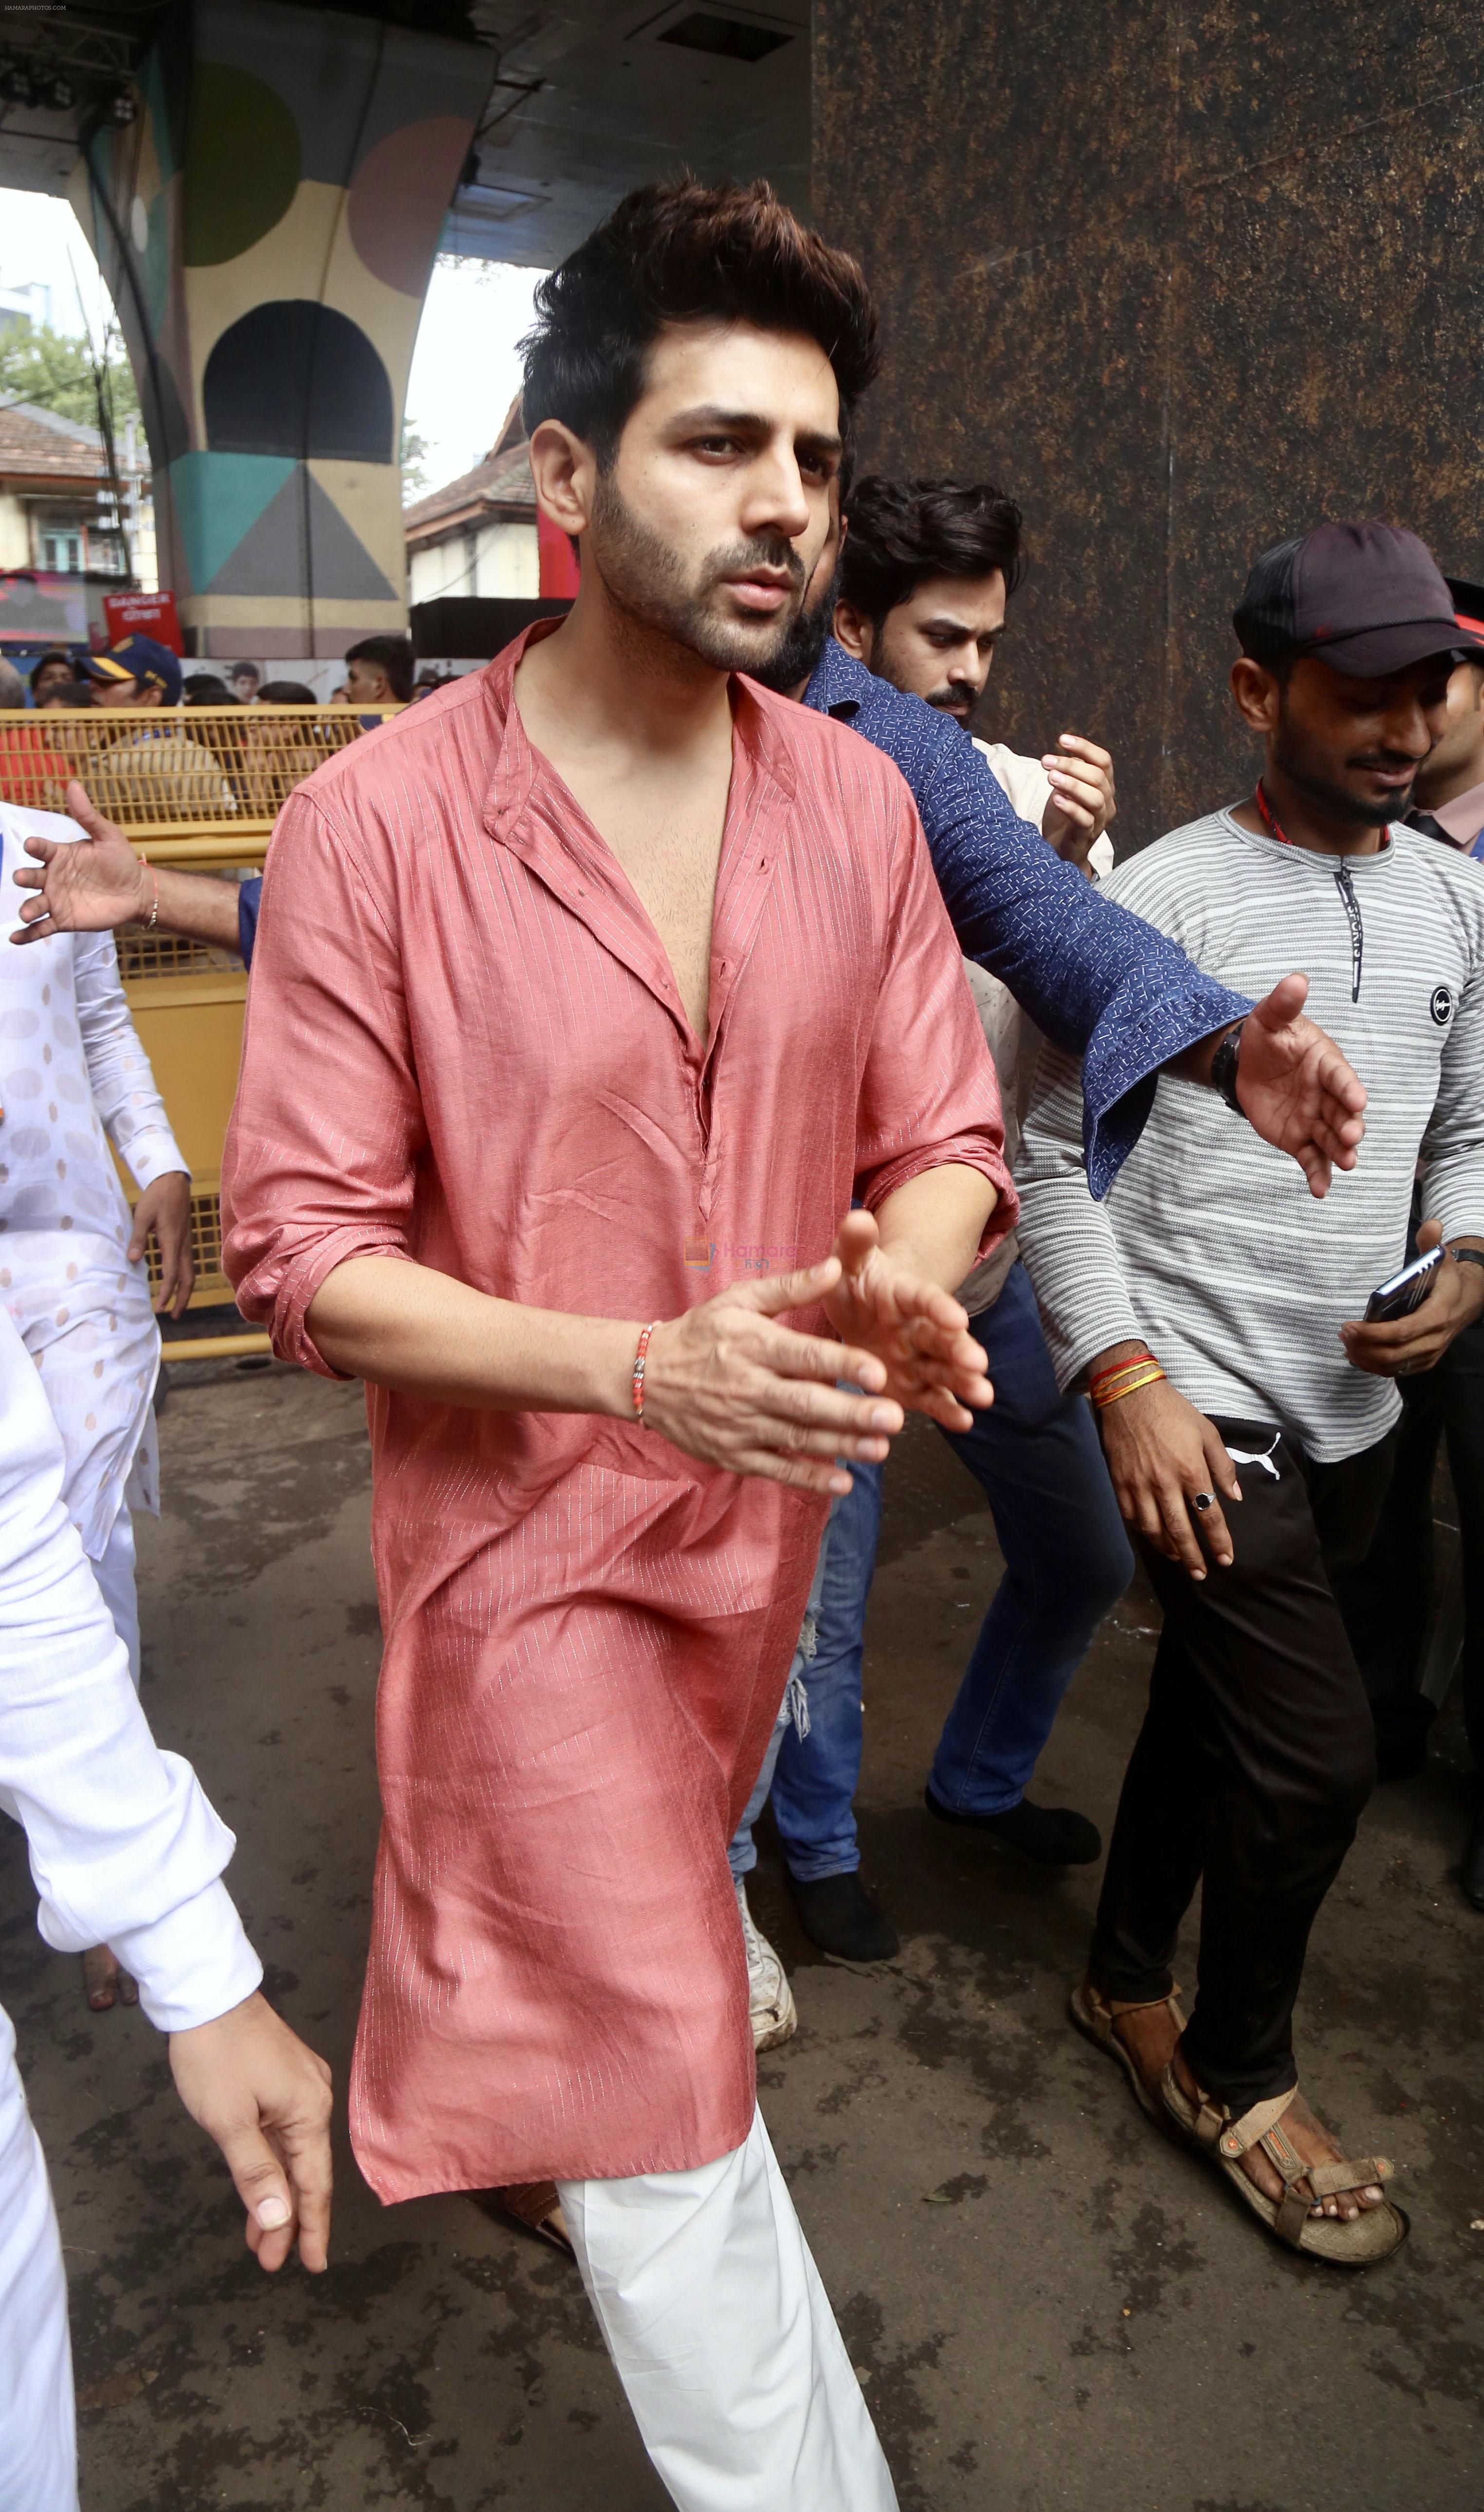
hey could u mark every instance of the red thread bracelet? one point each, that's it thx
(1139, 1359)
(638, 1381)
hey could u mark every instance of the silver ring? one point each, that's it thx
(1203, 1501)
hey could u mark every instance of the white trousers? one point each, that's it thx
(114, 1571)
(38, 2434)
(723, 2337)
(38, 2443)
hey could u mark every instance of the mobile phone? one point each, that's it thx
(1405, 1290)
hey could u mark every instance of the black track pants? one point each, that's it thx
(1254, 1758)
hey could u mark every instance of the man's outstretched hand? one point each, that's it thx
(731, 1384)
(1295, 1087)
(265, 2098)
(916, 1330)
(87, 886)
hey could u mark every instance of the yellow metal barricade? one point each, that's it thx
(198, 788)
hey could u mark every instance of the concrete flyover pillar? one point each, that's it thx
(267, 225)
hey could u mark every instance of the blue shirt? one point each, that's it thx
(1099, 981)
(249, 900)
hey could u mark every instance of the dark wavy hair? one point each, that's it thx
(682, 251)
(902, 531)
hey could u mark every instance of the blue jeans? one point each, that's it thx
(1036, 1456)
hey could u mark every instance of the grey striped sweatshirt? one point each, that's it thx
(1209, 1243)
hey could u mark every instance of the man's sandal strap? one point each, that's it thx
(1118, 2007)
(1254, 2126)
(1292, 2217)
(1330, 2180)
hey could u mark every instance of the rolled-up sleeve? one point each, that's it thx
(929, 1096)
(323, 1145)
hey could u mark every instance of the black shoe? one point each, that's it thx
(1401, 1736)
(1053, 1835)
(838, 1913)
(1472, 1871)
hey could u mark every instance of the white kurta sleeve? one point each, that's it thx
(125, 1848)
(123, 1084)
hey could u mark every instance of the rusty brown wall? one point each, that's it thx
(1186, 281)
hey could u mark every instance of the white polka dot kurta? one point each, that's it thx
(71, 1066)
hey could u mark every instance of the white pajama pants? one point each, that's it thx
(38, 2441)
(38, 2437)
(114, 1571)
(723, 2338)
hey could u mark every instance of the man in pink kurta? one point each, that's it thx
(465, 1046)
(588, 993)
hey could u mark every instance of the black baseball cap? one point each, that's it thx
(1467, 602)
(1366, 598)
(137, 659)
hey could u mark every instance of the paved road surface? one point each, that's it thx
(1050, 2308)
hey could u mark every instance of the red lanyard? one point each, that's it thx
(1269, 817)
(1275, 829)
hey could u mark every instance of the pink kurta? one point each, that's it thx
(465, 1046)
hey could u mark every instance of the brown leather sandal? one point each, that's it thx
(1095, 2015)
(532, 2205)
(1372, 2235)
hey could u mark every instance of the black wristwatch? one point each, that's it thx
(1467, 1255)
(1224, 1068)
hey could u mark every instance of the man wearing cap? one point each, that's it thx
(1388, 1601)
(1447, 799)
(1217, 1319)
(134, 673)
(158, 773)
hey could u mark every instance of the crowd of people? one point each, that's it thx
(700, 923)
(138, 672)
(143, 758)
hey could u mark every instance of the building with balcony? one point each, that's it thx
(58, 510)
(476, 539)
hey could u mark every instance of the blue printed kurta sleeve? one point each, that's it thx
(1099, 982)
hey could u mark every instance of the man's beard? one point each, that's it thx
(644, 579)
(797, 659)
(1292, 754)
(949, 702)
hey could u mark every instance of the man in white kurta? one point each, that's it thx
(73, 1076)
(121, 1839)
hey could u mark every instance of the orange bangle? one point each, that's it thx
(1113, 1377)
(1119, 1369)
(1114, 1394)
(1118, 1377)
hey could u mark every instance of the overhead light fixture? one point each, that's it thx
(124, 108)
(16, 85)
(730, 39)
(58, 93)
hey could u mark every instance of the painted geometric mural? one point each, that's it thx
(267, 225)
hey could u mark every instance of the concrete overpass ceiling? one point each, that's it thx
(57, 68)
(592, 99)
